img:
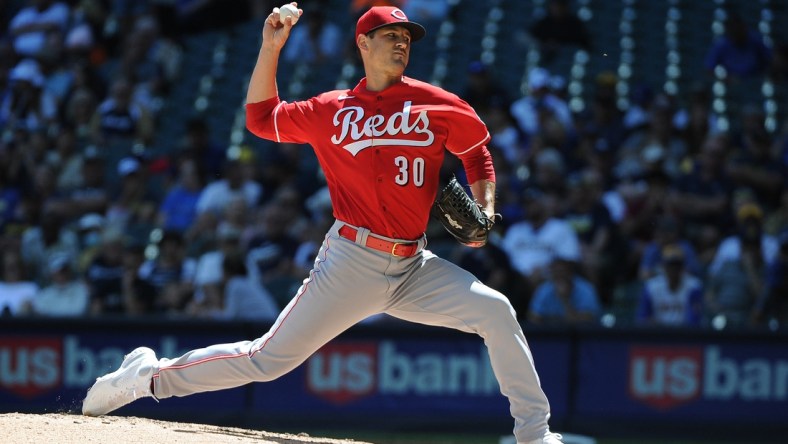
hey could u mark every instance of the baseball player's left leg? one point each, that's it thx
(443, 294)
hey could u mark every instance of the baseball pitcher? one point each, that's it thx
(381, 145)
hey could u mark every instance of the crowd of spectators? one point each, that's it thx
(649, 215)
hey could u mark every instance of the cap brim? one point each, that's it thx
(417, 32)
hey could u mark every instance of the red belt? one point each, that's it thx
(403, 249)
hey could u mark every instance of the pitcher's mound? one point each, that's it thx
(63, 428)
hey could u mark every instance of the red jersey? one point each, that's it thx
(381, 152)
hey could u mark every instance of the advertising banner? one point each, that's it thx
(394, 375)
(730, 381)
(408, 377)
(446, 376)
(51, 371)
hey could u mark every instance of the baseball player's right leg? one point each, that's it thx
(345, 286)
(340, 292)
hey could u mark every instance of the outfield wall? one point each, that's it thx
(606, 382)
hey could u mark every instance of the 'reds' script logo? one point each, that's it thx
(376, 130)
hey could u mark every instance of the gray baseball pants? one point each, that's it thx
(350, 282)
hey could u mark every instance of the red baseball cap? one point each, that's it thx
(380, 16)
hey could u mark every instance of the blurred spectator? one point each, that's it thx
(601, 248)
(139, 296)
(318, 42)
(565, 297)
(637, 114)
(66, 295)
(242, 298)
(208, 276)
(673, 297)
(702, 196)
(290, 203)
(559, 27)
(549, 171)
(532, 244)
(646, 199)
(483, 90)
(218, 193)
(773, 302)
(44, 195)
(741, 51)
(51, 237)
(199, 145)
(736, 276)
(656, 147)
(68, 160)
(79, 110)
(10, 198)
(749, 240)
(170, 273)
(89, 229)
(540, 107)
(104, 275)
(120, 119)
(32, 25)
(17, 292)
(700, 122)
(271, 250)
(754, 166)
(600, 159)
(668, 231)
(35, 154)
(777, 221)
(491, 101)
(320, 220)
(290, 163)
(92, 196)
(152, 61)
(201, 235)
(604, 126)
(236, 217)
(133, 210)
(25, 103)
(178, 210)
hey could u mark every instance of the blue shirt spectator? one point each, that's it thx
(564, 297)
(179, 208)
(740, 51)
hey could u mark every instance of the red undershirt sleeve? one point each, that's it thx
(467, 139)
(478, 165)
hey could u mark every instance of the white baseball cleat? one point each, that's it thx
(129, 382)
(548, 438)
(552, 438)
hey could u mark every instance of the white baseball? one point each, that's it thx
(288, 10)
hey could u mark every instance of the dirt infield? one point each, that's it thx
(59, 428)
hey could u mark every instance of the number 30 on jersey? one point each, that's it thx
(409, 171)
